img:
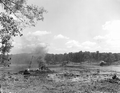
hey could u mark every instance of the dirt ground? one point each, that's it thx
(73, 79)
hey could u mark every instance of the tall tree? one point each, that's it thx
(16, 16)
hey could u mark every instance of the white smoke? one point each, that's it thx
(31, 46)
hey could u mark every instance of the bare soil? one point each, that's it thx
(72, 79)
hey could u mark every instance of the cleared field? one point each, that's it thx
(70, 79)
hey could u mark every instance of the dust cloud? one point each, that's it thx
(22, 61)
(31, 48)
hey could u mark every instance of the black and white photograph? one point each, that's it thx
(59, 46)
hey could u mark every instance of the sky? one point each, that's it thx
(73, 26)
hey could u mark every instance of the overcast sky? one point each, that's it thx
(74, 25)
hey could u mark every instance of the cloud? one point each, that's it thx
(36, 36)
(54, 49)
(73, 44)
(76, 46)
(40, 33)
(60, 36)
(29, 44)
(99, 37)
(30, 41)
(112, 25)
(100, 40)
(111, 41)
(88, 44)
(27, 47)
(113, 28)
(16, 44)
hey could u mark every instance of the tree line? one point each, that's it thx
(81, 56)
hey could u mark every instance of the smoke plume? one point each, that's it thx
(31, 50)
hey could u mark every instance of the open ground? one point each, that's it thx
(80, 78)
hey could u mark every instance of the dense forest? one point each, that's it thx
(80, 56)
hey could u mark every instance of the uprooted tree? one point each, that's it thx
(16, 16)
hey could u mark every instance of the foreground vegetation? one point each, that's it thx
(80, 79)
